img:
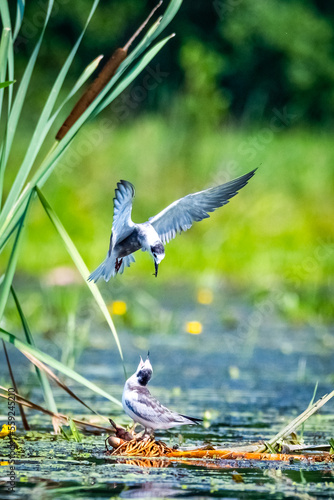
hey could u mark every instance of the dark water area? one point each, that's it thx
(248, 376)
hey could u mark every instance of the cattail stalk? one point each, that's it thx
(101, 80)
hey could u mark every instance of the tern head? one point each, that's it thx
(144, 371)
(158, 254)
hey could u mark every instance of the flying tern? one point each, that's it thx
(151, 236)
(146, 410)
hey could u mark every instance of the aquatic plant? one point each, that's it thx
(33, 172)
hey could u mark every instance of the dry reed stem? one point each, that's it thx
(156, 449)
(237, 455)
(64, 419)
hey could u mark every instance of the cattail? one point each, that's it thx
(100, 81)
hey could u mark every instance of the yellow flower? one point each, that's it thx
(204, 296)
(118, 307)
(234, 372)
(4, 463)
(194, 327)
(6, 430)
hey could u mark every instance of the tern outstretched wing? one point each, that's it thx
(180, 215)
(122, 224)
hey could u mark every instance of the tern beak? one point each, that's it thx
(156, 269)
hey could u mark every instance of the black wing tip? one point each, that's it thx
(247, 176)
(240, 182)
(126, 184)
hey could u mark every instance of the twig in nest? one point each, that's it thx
(142, 448)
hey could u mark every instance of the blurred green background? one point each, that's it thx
(243, 85)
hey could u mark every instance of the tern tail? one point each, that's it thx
(110, 267)
(196, 421)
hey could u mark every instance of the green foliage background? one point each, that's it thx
(244, 84)
(240, 56)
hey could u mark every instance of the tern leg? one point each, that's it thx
(132, 429)
(148, 433)
(118, 264)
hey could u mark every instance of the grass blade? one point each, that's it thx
(5, 17)
(168, 16)
(88, 71)
(19, 17)
(6, 22)
(4, 45)
(63, 418)
(43, 124)
(49, 360)
(74, 430)
(41, 366)
(10, 229)
(47, 391)
(310, 404)
(11, 267)
(81, 266)
(15, 111)
(3, 85)
(298, 421)
(23, 415)
(45, 169)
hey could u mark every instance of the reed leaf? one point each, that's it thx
(3, 85)
(11, 266)
(19, 17)
(4, 45)
(49, 360)
(297, 422)
(43, 125)
(45, 370)
(81, 266)
(11, 373)
(5, 17)
(168, 16)
(46, 388)
(88, 71)
(74, 430)
(15, 111)
(46, 168)
(9, 219)
(63, 418)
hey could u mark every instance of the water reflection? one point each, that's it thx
(145, 462)
(151, 490)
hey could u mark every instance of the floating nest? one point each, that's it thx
(142, 448)
(125, 444)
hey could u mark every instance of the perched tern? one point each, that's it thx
(151, 236)
(143, 408)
